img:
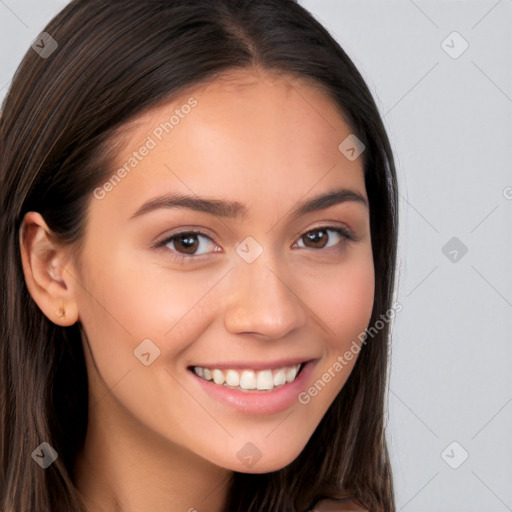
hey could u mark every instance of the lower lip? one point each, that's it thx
(259, 402)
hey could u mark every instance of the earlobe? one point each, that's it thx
(45, 266)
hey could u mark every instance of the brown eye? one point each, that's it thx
(187, 243)
(321, 238)
(318, 239)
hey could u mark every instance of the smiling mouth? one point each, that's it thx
(250, 380)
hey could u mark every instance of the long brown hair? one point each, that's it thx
(114, 60)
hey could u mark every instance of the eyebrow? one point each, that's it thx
(236, 210)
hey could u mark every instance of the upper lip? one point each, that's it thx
(255, 365)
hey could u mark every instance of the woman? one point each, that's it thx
(199, 223)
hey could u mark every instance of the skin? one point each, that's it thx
(155, 441)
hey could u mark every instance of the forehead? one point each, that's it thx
(247, 135)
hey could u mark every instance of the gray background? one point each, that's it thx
(450, 124)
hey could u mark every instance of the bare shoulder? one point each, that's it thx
(334, 505)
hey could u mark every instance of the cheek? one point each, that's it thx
(125, 305)
(344, 302)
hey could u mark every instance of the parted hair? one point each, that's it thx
(116, 59)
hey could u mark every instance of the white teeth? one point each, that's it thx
(218, 376)
(265, 380)
(232, 378)
(291, 374)
(279, 378)
(247, 380)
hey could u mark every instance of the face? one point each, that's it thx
(237, 279)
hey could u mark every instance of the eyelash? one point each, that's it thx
(346, 235)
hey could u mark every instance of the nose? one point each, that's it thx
(263, 301)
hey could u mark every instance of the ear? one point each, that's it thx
(48, 270)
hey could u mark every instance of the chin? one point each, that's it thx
(262, 461)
